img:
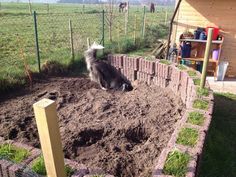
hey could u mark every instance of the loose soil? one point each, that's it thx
(121, 133)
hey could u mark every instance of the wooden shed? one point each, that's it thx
(201, 13)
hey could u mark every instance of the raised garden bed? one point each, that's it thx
(112, 130)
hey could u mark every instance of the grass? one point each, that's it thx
(140, 52)
(166, 62)
(176, 164)
(195, 118)
(192, 73)
(196, 81)
(17, 41)
(187, 136)
(200, 104)
(38, 167)
(202, 91)
(181, 67)
(219, 152)
(13, 153)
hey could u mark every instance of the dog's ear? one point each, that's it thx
(96, 46)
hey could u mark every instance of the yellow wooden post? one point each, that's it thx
(206, 57)
(49, 135)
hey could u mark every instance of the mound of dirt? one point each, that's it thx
(122, 133)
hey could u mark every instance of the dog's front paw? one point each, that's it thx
(103, 88)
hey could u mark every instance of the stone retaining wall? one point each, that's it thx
(169, 76)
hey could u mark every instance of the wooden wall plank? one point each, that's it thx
(194, 13)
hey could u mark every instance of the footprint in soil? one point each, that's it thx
(53, 95)
(137, 134)
(101, 106)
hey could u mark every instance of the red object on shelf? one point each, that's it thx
(216, 31)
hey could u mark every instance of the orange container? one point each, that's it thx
(216, 31)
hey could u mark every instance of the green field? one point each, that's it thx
(17, 37)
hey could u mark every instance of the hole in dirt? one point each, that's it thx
(88, 137)
(137, 134)
(13, 133)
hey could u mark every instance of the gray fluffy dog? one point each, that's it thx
(107, 76)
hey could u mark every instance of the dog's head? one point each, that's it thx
(96, 46)
(91, 52)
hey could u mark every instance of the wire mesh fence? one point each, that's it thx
(61, 25)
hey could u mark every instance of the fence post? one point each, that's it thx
(103, 29)
(135, 29)
(71, 40)
(83, 8)
(206, 57)
(49, 135)
(30, 8)
(48, 8)
(36, 40)
(166, 15)
(144, 21)
(127, 18)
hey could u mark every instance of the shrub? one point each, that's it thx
(187, 136)
(196, 118)
(176, 164)
(13, 153)
(154, 33)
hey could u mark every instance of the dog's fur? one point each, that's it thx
(107, 76)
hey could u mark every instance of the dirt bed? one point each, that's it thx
(122, 133)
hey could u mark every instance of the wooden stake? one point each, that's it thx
(71, 40)
(135, 29)
(47, 124)
(30, 8)
(48, 8)
(206, 57)
(166, 17)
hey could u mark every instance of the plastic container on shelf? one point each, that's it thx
(216, 31)
(215, 54)
(221, 70)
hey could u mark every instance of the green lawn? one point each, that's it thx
(219, 158)
(17, 40)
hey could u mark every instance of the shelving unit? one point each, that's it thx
(198, 50)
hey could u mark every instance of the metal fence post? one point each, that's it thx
(135, 29)
(144, 21)
(36, 40)
(103, 27)
(71, 40)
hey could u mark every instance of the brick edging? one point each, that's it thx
(23, 169)
(169, 76)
